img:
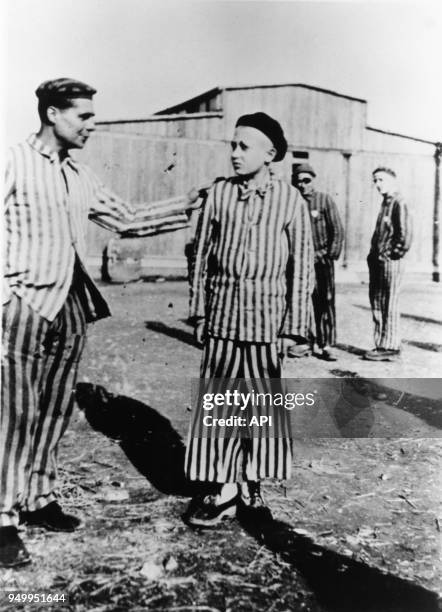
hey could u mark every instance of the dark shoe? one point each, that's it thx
(299, 350)
(13, 552)
(380, 354)
(328, 354)
(253, 505)
(51, 517)
(206, 512)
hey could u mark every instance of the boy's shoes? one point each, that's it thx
(208, 511)
(297, 351)
(13, 552)
(381, 354)
(252, 503)
(51, 517)
(328, 354)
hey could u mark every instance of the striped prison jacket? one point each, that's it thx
(327, 230)
(253, 274)
(393, 232)
(48, 202)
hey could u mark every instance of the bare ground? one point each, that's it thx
(357, 509)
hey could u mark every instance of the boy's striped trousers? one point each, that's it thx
(233, 458)
(39, 367)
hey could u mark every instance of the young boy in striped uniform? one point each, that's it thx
(49, 298)
(328, 237)
(251, 290)
(390, 242)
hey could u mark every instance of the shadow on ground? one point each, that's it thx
(341, 584)
(425, 346)
(353, 350)
(406, 315)
(147, 438)
(425, 408)
(172, 332)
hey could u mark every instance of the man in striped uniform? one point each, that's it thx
(328, 237)
(390, 242)
(49, 298)
(250, 296)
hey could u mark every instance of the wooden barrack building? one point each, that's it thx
(187, 144)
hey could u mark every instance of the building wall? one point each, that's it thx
(309, 117)
(202, 126)
(146, 168)
(376, 140)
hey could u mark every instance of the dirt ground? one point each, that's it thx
(356, 528)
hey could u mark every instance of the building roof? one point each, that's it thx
(212, 93)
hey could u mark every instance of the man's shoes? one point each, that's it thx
(51, 517)
(13, 552)
(208, 512)
(328, 354)
(297, 351)
(381, 354)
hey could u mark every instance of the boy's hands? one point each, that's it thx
(284, 344)
(200, 332)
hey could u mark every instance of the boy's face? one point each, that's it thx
(251, 150)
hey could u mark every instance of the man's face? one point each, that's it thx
(251, 150)
(73, 125)
(385, 183)
(305, 183)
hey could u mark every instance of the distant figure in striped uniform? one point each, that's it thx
(328, 237)
(49, 298)
(391, 240)
(251, 289)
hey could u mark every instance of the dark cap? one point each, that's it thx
(385, 169)
(268, 126)
(64, 88)
(304, 168)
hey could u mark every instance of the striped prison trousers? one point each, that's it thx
(232, 458)
(39, 368)
(384, 288)
(324, 303)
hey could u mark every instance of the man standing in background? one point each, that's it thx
(328, 237)
(49, 298)
(391, 240)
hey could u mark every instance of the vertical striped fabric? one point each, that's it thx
(253, 275)
(327, 228)
(390, 242)
(324, 303)
(39, 367)
(232, 458)
(384, 289)
(47, 205)
(393, 232)
(328, 238)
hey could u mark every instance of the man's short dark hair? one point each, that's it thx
(60, 93)
(60, 102)
(385, 169)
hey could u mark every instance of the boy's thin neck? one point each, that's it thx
(261, 177)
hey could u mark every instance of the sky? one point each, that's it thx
(145, 55)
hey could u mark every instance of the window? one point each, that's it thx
(298, 158)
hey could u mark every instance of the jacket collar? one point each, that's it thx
(36, 143)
